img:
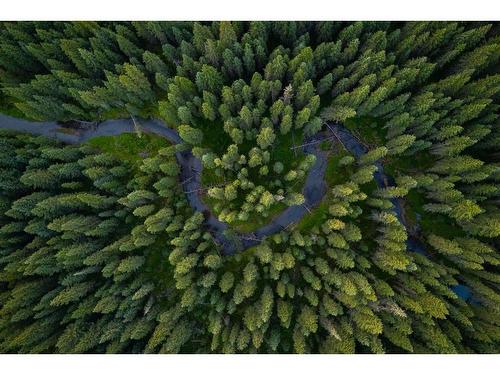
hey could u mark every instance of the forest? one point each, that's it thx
(249, 187)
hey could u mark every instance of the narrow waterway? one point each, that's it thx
(314, 188)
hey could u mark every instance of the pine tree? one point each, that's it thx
(266, 137)
(190, 135)
(119, 251)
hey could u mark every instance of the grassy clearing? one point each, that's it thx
(130, 146)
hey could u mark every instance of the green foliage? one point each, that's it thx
(100, 251)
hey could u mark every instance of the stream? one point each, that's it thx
(315, 186)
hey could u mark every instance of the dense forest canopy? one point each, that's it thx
(101, 252)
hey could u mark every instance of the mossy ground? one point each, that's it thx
(130, 146)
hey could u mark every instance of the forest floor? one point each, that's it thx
(130, 146)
